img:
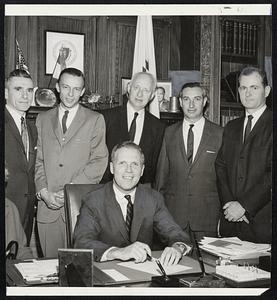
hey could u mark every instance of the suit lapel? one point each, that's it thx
(77, 122)
(124, 123)
(146, 131)
(115, 213)
(138, 214)
(256, 128)
(14, 131)
(31, 147)
(56, 124)
(204, 141)
(180, 138)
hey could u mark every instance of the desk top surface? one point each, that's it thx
(134, 276)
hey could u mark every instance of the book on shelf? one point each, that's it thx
(239, 38)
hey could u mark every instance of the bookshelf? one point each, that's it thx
(241, 45)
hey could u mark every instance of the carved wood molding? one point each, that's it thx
(210, 64)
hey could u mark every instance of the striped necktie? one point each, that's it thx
(24, 135)
(129, 215)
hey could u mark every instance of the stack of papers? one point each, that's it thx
(39, 271)
(233, 248)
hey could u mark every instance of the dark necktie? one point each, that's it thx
(129, 215)
(190, 144)
(24, 135)
(64, 121)
(133, 126)
(248, 127)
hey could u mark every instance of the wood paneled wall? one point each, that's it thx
(109, 47)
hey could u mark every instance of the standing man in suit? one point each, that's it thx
(71, 149)
(117, 220)
(133, 122)
(244, 164)
(20, 145)
(185, 172)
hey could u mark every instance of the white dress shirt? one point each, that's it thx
(197, 133)
(139, 121)
(123, 202)
(256, 115)
(17, 119)
(71, 114)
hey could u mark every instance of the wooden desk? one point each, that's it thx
(137, 278)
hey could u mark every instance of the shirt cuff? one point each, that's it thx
(104, 256)
(38, 194)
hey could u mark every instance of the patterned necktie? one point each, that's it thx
(64, 121)
(133, 126)
(248, 127)
(190, 144)
(24, 135)
(129, 215)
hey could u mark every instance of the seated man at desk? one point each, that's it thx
(117, 220)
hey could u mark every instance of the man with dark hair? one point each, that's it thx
(71, 149)
(117, 221)
(185, 172)
(244, 164)
(133, 122)
(163, 103)
(20, 147)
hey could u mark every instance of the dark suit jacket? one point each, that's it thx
(190, 191)
(21, 186)
(100, 224)
(244, 175)
(150, 143)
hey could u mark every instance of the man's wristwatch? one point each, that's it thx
(181, 246)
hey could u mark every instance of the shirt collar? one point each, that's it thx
(72, 110)
(15, 113)
(120, 195)
(196, 124)
(131, 111)
(257, 113)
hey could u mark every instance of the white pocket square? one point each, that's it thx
(208, 151)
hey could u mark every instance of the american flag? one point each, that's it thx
(144, 54)
(20, 60)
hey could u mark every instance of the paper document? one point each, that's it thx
(117, 276)
(38, 269)
(152, 268)
(233, 247)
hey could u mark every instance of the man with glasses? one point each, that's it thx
(185, 172)
(244, 164)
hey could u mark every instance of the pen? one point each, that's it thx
(162, 269)
(150, 258)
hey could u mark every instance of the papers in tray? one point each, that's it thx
(233, 248)
(39, 271)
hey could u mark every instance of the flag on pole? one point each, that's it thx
(144, 54)
(20, 60)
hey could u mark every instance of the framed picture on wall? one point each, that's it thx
(124, 88)
(163, 94)
(63, 50)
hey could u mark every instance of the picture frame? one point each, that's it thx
(163, 94)
(63, 50)
(124, 88)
